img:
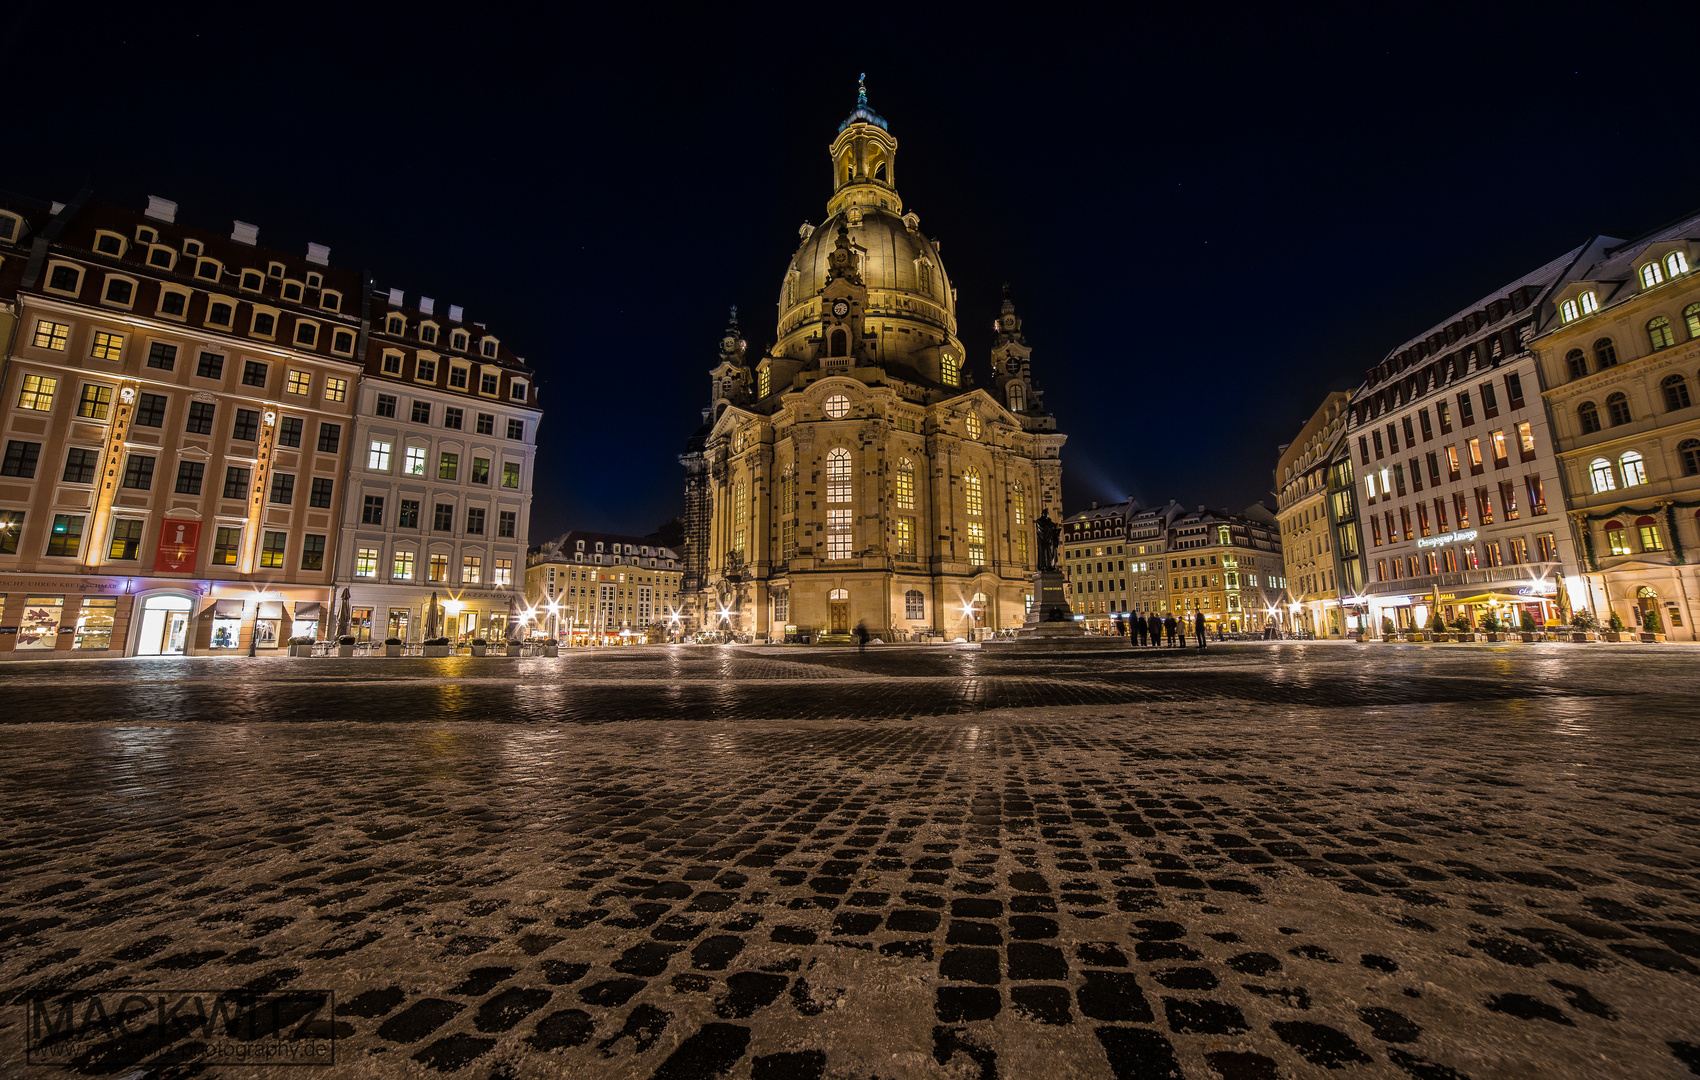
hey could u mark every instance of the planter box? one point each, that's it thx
(436, 650)
(1613, 635)
(301, 650)
(1652, 638)
(1581, 636)
(392, 650)
(480, 650)
(345, 650)
(515, 648)
(551, 650)
(1528, 636)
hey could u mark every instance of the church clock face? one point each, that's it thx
(840, 309)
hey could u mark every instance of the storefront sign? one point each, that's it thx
(1546, 588)
(1448, 538)
(178, 540)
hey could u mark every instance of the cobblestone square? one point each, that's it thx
(1282, 860)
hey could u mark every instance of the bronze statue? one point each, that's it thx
(1050, 538)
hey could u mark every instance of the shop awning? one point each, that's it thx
(1499, 598)
(270, 609)
(227, 609)
(308, 611)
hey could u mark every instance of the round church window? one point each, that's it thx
(838, 406)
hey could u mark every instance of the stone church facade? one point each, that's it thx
(856, 476)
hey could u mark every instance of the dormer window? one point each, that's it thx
(396, 325)
(1569, 312)
(265, 323)
(331, 300)
(392, 363)
(1676, 263)
(252, 281)
(119, 291)
(1590, 302)
(342, 342)
(274, 270)
(11, 227)
(192, 248)
(292, 291)
(109, 243)
(1652, 274)
(488, 347)
(428, 334)
(146, 235)
(314, 281)
(306, 334)
(162, 257)
(220, 313)
(64, 278)
(208, 269)
(457, 341)
(516, 390)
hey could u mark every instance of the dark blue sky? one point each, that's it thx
(1208, 220)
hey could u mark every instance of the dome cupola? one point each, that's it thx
(864, 160)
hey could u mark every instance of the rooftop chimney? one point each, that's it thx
(427, 306)
(161, 210)
(56, 207)
(244, 233)
(395, 297)
(456, 312)
(319, 254)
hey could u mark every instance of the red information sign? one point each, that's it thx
(178, 541)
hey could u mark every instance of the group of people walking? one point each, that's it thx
(1155, 630)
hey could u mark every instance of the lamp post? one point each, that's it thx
(452, 607)
(554, 620)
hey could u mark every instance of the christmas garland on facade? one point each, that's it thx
(1677, 556)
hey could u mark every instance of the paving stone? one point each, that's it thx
(752, 834)
(712, 1051)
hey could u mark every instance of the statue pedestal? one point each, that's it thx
(1050, 623)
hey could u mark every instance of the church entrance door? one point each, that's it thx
(839, 608)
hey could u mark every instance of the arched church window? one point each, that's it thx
(973, 493)
(1017, 398)
(924, 277)
(950, 372)
(1018, 519)
(905, 484)
(740, 516)
(879, 171)
(840, 344)
(838, 475)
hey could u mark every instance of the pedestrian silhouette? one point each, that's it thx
(1199, 630)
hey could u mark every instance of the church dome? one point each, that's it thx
(901, 268)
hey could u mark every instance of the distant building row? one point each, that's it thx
(207, 441)
(1127, 559)
(1536, 454)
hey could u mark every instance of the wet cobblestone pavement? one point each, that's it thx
(1269, 861)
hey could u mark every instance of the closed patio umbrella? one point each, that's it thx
(342, 616)
(431, 617)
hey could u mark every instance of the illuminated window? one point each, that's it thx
(1676, 263)
(336, 389)
(906, 536)
(1691, 316)
(271, 549)
(1526, 440)
(1648, 533)
(1659, 333)
(1568, 311)
(837, 407)
(448, 466)
(905, 484)
(914, 604)
(1500, 455)
(439, 568)
(764, 383)
(107, 346)
(300, 382)
(949, 370)
(510, 474)
(740, 516)
(972, 422)
(401, 567)
(1590, 302)
(1617, 538)
(37, 393)
(838, 476)
(504, 573)
(1017, 397)
(838, 534)
(378, 456)
(51, 335)
(1604, 477)
(471, 569)
(1651, 274)
(366, 562)
(1634, 469)
(972, 494)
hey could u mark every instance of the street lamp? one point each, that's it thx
(554, 620)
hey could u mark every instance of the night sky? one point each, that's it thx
(1207, 223)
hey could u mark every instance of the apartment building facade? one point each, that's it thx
(1460, 494)
(592, 588)
(1619, 356)
(1307, 518)
(438, 502)
(175, 408)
